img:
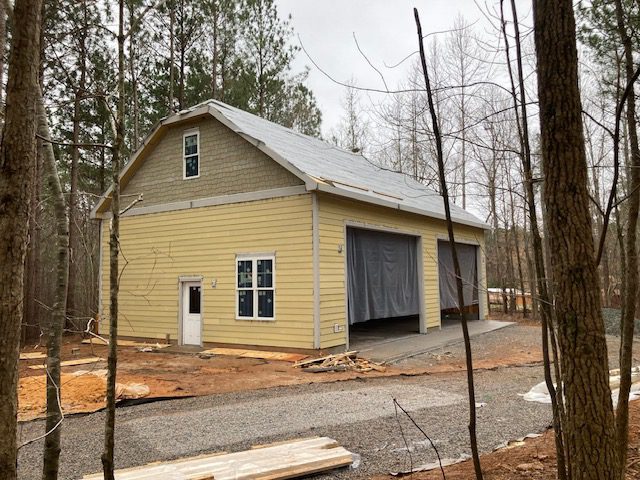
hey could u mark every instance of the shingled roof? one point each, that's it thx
(323, 166)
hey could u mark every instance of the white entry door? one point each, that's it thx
(191, 313)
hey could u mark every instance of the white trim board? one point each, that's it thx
(213, 201)
(315, 247)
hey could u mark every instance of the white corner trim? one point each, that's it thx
(213, 201)
(100, 258)
(315, 234)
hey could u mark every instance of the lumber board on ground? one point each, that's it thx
(32, 355)
(264, 355)
(269, 462)
(123, 343)
(69, 363)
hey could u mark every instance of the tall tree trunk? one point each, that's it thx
(135, 114)
(172, 49)
(516, 244)
(73, 205)
(456, 265)
(531, 274)
(108, 465)
(631, 278)
(3, 40)
(215, 13)
(75, 164)
(17, 162)
(543, 288)
(183, 53)
(51, 457)
(589, 424)
(30, 319)
(509, 255)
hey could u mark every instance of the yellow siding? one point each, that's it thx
(334, 214)
(161, 247)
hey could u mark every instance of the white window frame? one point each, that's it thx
(254, 284)
(190, 133)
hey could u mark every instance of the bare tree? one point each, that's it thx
(352, 133)
(456, 264)
(465, 64)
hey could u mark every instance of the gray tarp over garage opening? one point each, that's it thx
(468, 271)
(382, 275)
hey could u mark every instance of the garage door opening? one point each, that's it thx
(383, 285)
(468, 260)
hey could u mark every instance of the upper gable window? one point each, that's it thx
(191, 154)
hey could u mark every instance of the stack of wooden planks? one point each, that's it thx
(269, 462)
(340, 362)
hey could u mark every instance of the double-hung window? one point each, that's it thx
(255, 287)
(191, 154)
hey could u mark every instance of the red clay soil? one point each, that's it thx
(534, 460)
(180, 375)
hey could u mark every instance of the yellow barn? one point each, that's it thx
(250, 233)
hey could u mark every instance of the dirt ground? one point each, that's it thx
(171, 375)
(534, 459)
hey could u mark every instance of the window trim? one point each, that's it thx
(185, 134)
(254, 284)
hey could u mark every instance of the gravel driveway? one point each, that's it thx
(359, 414)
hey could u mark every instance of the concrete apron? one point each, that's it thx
(397, 349)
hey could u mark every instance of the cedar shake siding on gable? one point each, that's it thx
(228, 164)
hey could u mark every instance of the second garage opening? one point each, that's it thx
(468, 260)
(383, 285)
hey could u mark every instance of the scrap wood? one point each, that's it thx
(261, 354)
(32, 355)
(325, 358)
(340, 362)
(68, 363)
(278, 461)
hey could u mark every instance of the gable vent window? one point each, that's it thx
(255, 289)
(191, 154)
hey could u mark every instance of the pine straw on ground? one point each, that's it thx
(533, 460)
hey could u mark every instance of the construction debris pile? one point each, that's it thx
(340, 362)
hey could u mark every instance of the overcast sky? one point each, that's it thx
(385, 30)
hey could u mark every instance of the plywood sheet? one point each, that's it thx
(278, 461)
(239, 352)
(32, 355)
(69, 363)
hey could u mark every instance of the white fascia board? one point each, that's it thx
(214, 201)
(395, 205)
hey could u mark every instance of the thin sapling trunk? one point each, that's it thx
(456, 264)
